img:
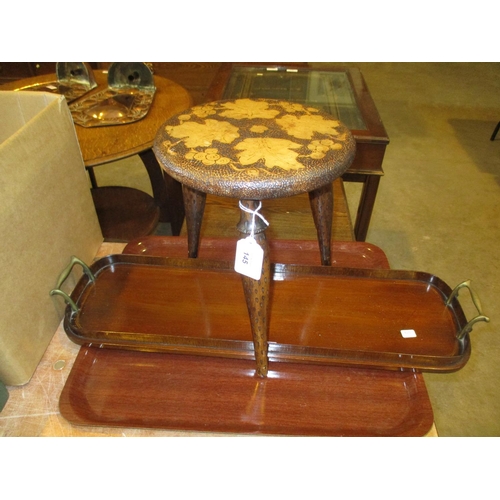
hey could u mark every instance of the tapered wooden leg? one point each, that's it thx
(194, 206)
(321, 201)
(157, 183)
(257, 293)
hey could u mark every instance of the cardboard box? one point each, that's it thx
(46, 216)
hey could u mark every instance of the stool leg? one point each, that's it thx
(194, 206)
(321, 201)
(257, 293)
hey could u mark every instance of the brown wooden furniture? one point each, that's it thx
(235, 80)
(102, 145)
(10, 71)
(117, 388)
(317, 314)
(125, 213)
(254, 150)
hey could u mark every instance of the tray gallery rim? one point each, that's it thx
(277, 351)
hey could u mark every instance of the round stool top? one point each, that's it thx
(254, 149)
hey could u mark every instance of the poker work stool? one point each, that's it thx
(253, 150)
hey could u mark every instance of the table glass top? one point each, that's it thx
(330, 91)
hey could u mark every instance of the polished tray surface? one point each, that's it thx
(112, 107)
(319, 315)
(355, 254)
(118, 388)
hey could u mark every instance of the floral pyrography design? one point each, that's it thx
(208, 157)
(304, 126)
(321, 147)
(196, 134)
(274, 152)
(293, 107)
(258, 129)
(243, 109)
(203, 111)
(273, 136)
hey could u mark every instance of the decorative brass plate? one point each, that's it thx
(127, 99)
(112, 107)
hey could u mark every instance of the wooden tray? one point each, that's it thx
(117, 388)
(320, 315)
(358, 254)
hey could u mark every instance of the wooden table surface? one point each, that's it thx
(102, 145)
(289, 218)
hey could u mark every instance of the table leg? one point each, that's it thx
(365, 207)
(93, 180)
(194, 206)
(175, 204)
(167, 192)
(321, 201)
(257, 291)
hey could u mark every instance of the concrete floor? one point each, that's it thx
(438, 209)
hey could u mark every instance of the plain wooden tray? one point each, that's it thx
(321, 315)
(117, 388)
(356, 254)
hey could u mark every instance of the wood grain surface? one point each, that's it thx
(323, 315)
(192, 393)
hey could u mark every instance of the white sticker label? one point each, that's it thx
(249, 258)
(408, 334)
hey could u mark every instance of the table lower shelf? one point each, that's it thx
(125, 213)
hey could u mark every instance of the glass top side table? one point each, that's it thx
(339, 91)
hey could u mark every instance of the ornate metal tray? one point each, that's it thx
(319, 314)
(127, 99)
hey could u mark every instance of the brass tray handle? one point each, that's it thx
(475, 299)
(62, 278)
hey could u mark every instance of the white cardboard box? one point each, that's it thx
(46, 216)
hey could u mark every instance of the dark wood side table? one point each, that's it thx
(253, 150)
(339, 91)
(101, 145)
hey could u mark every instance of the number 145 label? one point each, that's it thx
(249, 258)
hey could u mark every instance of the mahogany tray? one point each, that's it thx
(319, 314)
(358, 254)
(118, 388)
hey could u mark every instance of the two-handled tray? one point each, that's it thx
(370, 318)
